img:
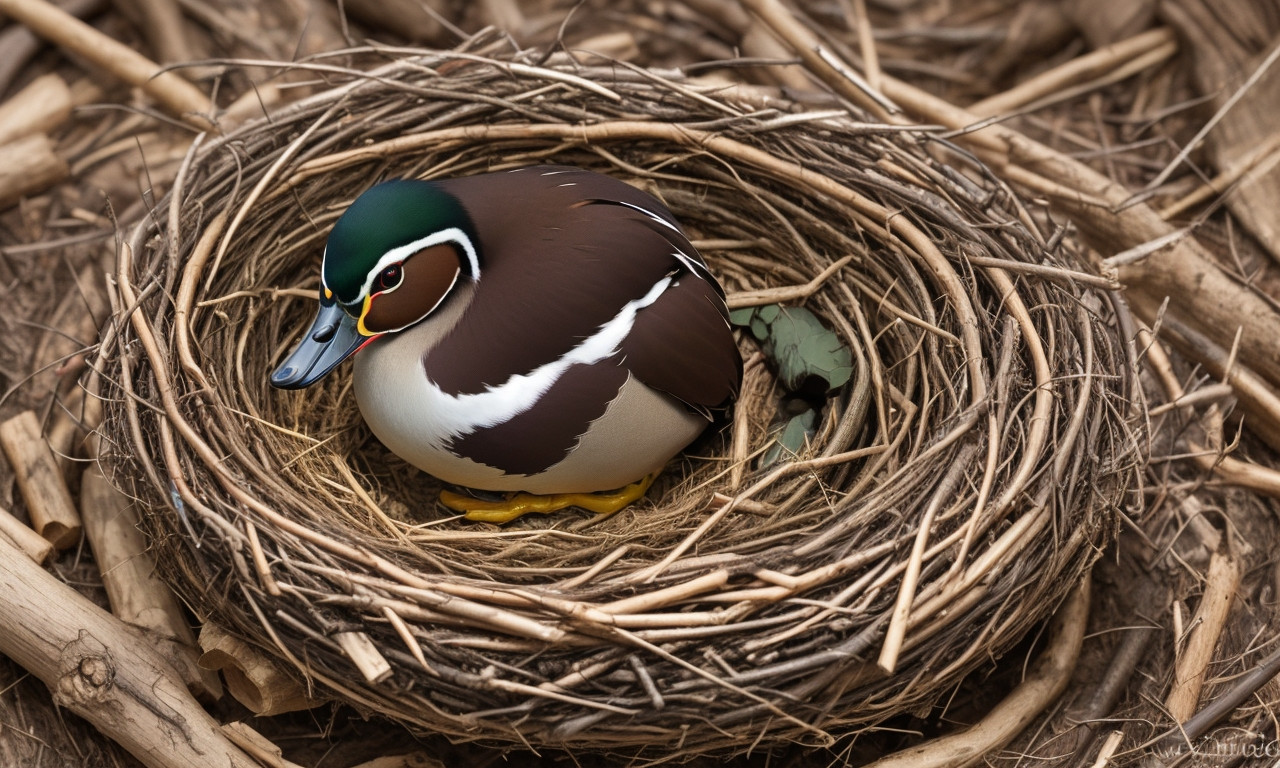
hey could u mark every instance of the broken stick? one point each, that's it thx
(19, 534)
(28, 166)
(40, 107)
(53, 514)
(253, 679)
(1211, 617)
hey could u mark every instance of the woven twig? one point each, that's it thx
(949, 501)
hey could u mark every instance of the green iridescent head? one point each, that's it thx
(392, 258)
(394, 217)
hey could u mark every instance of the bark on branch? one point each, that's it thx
(104, 671)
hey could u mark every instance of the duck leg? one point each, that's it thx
(603, 503)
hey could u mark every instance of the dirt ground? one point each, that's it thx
(1174, 101)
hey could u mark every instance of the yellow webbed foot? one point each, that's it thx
(603, 503)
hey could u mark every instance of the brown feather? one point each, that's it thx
(682, 345)
(542, 436)
(553, 270)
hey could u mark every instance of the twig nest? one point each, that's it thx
(951, 494)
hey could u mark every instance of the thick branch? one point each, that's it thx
(104, 671)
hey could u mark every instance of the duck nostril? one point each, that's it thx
(324, 333)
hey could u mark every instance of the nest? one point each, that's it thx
(951, 496)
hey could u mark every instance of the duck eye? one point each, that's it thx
(389, 278)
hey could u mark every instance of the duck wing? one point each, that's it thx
(569, 256)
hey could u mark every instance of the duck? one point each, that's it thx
(537, 338)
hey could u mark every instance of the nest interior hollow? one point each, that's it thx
(983, 446)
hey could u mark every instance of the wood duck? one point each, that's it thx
(546, 332)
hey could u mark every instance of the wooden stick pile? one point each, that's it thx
(623, 626)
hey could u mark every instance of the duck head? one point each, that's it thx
(390, 261)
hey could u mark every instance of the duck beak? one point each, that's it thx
(333, 338)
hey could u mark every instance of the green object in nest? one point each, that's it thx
(810, 361)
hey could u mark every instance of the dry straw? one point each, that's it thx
(951, 498)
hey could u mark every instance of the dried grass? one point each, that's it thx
(969, 477)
